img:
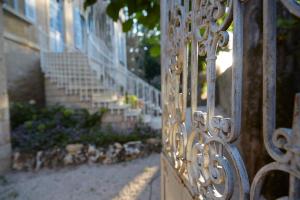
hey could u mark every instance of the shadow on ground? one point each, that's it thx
(135, 180)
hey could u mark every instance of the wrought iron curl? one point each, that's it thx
(293, 6)
(286, 147)
(282, 144)
(178, 38)
(205, 156)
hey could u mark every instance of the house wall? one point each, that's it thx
(69, 27)
(5, 146)
(25, 39)
(22, 58)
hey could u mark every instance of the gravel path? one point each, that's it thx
(135, 180)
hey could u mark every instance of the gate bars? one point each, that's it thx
(283, 144)
(206, 157)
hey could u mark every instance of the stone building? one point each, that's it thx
(58, 53)
(5, 147)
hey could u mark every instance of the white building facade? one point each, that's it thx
(82, 55)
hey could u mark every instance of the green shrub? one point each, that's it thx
(44, 128)
(132, 100)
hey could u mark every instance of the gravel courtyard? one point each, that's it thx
(135, 180)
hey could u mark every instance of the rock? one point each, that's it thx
(29, 162)
(107, 161)
(23, 161)
(17, 163)
(91, 150)
(153, 145)
(95, 155)
(153, 141)
(113, 154)
(118, 145)
(80, 158)
(102, 155)
(57, 156)
(133, 149)
(109, 155)
(78, 153)
(94, 158)
(68, 159)
(38, 160)
(74, 149)
(53, 158)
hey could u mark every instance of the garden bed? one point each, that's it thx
(58, 136)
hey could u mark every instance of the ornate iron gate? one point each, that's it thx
(204, 162)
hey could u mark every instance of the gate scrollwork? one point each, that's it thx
(204, 156)
(201, 146)
(282, 144)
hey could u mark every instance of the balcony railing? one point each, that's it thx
(94, 68)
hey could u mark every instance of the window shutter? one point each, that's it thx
(30, 10)
(56, 26)
(122, 48)
(60, 28)
(53, 19)
(77, 29)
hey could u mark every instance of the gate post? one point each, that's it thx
(163, 38)
(5, 146)
(251, 122)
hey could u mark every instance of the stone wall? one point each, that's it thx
(24, 75)
(22, 59)
(5, 147)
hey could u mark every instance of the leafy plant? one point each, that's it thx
(57, 126)
(140, 13)
(132, 100)
(145, 12)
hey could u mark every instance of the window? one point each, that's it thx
(91, 21)
(25, 8)
(56, 26)
(79, 24)
(104, 29)
(122, 49)
(30, 10)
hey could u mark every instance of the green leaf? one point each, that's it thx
(88, 3)
(155, 51)
(127, 25)
(113, 10)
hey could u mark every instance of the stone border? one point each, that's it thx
(75, 154)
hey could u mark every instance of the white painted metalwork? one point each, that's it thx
(94, 75)
(206, 158)
(282, 144)
(92, 80)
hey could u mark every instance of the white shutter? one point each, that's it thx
(53, 22)
(56, 26)
(60, 28)
(122, 48)
(30, 10)
(77, 29)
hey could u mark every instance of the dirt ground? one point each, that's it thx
(135, 180)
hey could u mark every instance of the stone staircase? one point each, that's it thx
(73, 81)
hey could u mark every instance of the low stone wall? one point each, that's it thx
(75, 154)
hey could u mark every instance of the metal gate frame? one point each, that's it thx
(205, 160)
